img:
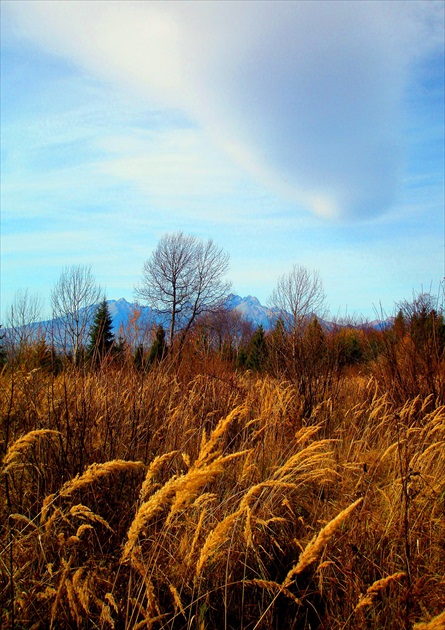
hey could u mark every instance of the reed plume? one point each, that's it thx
(95, 472)
(436, 623)
(215, 539)
(313, 550)
(19, 447)
(371, 593)
(182, 490)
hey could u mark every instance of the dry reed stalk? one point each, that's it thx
(180, 491)
(312, 551)
(25, 519)
(82, 511)
(256, 489)
(176, 492)
(20, 446)
(186, 459)
(203, 499)
(192, 482)
(72, 601)
(146, 512)
(48, 593)
(371, 593)
(149, 622)
(152, 604)
(323, 565)
(177, 600)
(81, 589)
(436, 623)
(274, 587)
(215, 539)
(54, 516)
(305, 433)
(383, 403)
(110, 598)
(196, 535)
(389, 450)
(47, 502)
(306, 458)
(96, 471)
(153, 469)
(418, 459)
(62, 585)
(105, 616)
(207, 451)
(247, 532)
(83, 528)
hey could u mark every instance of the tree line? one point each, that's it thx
(184, 281)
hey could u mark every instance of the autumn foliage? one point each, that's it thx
(299, 486)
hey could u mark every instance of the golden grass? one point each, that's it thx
(19, 448)
(207, 500)
(437, 623)
(95, 472)
(375, 588)
(313, 550)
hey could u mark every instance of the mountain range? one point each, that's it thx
(249, 307)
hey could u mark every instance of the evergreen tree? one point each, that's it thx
(139, 360)
(101, 336)
(241, 358)
(158, 349)
(399, 326)
(278, 347)
(257, 352)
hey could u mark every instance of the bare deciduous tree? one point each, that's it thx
(183, 279)
(73, 300)
(24, 313)
(299, 296)
(298, 345)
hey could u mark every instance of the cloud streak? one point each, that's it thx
(308, 96)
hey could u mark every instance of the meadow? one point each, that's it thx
(195, 494)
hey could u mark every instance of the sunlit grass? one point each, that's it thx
(206, 498)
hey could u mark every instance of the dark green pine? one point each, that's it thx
(101, 336)
(257, 352)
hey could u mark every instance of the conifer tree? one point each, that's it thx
(257, 351)
(101, 336)
(158, 349)
(278, 347)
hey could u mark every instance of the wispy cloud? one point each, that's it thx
(305, 95)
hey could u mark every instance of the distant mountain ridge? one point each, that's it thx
(249, 307)
(122, 311)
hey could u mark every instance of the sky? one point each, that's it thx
(292, 133)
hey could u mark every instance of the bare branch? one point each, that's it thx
(299, 295)
(183, 279)
(73, 299)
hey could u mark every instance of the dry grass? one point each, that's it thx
(205, 499)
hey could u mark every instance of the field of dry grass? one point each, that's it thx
(206, 499)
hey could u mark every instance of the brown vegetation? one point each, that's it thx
(200, 495)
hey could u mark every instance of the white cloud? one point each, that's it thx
(306, 95)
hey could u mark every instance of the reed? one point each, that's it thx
(436, 623)
(95, 472)
(313, 549)
(198, 496)
(379, 585)
(18, 449)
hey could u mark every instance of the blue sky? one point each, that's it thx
(307, 133)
